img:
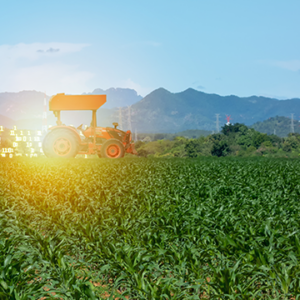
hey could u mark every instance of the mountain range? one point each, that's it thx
(118, 97)
(160, 111)
(163, 111)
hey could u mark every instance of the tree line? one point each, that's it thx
(233, 140)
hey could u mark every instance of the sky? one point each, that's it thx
(230, 47)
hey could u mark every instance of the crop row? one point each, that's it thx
(150, 229)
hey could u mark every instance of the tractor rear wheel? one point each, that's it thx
(60, 143)
(112, 148)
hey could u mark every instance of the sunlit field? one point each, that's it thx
(139, 228)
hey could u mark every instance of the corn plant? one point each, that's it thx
(150, 228)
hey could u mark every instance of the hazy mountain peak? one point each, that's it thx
(161, 90)
(191, 90)
(118, 97)
(97, 92)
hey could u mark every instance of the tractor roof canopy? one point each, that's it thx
(76, 102)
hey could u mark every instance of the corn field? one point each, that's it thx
(149, 228)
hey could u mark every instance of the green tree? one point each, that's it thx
(220, 148)
(258, 138)
(293, 141)
(287, 147)
(267, 144)
(179, 140)
(276, 140)
(192, 148)
(244, 140)
(237, 127)
(216, 137)
(142, 152)
(159, 136)
(139, 144)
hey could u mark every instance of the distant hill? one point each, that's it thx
(163, 111)
(22, 105)
(33, 123)
(6, 122)
(160, 111)
(118, 97)
(25, 108)
(280, 126)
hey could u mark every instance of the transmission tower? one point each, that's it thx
(292, 123)
(120, 118)
(217, 122)
(44, 128)
(228, 119)
(129, 118)
(126, 118)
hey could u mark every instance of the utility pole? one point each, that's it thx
(120, 118)
(274, 131)
(217, 122)
(135, 135)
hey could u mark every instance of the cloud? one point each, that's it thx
(198, 86)
(43, 67)
(50, 50)
(33, 51)
(291, 65)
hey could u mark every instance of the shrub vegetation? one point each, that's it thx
(233, 140)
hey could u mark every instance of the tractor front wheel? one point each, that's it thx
(112, 149)
(60, 143)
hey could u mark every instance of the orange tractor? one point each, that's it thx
(65, 141)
